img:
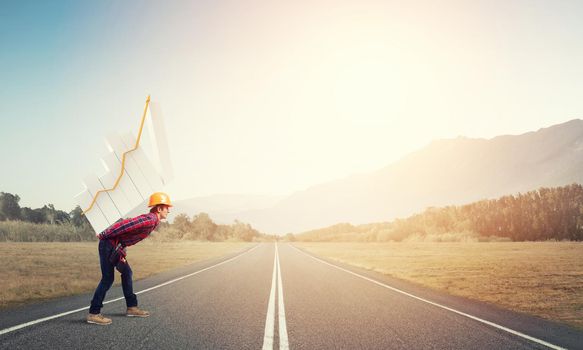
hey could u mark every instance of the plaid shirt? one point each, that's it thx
(130, 231)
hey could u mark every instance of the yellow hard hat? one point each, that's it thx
(159, 198)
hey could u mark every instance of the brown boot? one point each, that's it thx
(98, 319)
(137, 312)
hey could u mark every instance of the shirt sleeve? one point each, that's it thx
(127, 225)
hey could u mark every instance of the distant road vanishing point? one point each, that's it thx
(275, 296)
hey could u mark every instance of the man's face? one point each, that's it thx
(164, 211)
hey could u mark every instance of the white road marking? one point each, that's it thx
(270, 318)
(23, 325)
(522, 335)
(283, 342)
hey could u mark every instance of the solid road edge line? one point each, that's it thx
(48, 318)
(495, 325)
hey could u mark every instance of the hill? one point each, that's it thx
(445, 172)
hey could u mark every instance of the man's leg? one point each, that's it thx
(107, 277)
(128, 290)
(127, 283)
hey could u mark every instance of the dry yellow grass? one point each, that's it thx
(540, 278)
(37, 271)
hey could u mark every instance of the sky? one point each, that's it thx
(272, 97)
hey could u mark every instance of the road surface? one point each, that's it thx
(274, 296)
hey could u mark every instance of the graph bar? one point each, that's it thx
(145, 165)
(158, 132)
(112, 214)
(95, 215)
(131, 166)
(126, 186)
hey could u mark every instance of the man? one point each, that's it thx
(112, 254)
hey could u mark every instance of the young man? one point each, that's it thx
(112, 254)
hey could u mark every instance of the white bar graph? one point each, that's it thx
(103, 201)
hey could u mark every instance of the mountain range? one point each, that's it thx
(445, 172)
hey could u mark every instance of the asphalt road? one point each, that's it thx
(280, 297)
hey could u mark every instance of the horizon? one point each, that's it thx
(283, 196)
(271, 99)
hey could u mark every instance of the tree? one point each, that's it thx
(182, 224)
(78, 219)
(9, 207)
(244, 231)
(35, 216)
(53, 216)
(203, 227)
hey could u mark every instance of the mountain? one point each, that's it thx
(446, 172)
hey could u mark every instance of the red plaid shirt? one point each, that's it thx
(130, 231)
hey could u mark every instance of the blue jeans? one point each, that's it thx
(107, 276)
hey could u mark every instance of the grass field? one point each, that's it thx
(539, 278)
(38, 271)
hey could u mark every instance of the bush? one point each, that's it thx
(20, 231)
(166, 234)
